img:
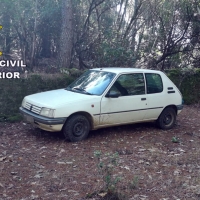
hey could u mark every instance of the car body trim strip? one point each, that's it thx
(127, 111)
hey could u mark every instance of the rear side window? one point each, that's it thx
(154, 83)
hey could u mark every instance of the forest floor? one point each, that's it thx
(153, 164)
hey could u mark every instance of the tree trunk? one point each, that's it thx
(6, 28)
(46, 40)
(66, 42)
(33, 47)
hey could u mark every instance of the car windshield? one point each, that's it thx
(92, 82)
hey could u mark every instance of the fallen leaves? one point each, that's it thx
(43, 165)
(102, 194)
(3, 158)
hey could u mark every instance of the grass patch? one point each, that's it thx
(11, 119)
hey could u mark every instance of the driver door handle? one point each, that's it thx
(143, 99)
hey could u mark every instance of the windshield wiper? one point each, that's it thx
(82, 90)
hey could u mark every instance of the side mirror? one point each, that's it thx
(112, 94)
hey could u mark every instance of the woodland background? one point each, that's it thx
(160, 34)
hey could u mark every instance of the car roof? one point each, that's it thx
(119, 70)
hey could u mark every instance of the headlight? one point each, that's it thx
(47, 112)
(23, 103)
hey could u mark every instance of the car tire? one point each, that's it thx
(167, 119)
(76, 128)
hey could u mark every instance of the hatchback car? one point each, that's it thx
(105, 97)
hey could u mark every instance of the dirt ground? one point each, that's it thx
(153, 164)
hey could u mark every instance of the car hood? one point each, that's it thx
(54, 98)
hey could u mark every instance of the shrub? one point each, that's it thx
(188, 81)
(106, 166)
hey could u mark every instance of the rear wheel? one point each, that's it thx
(167, 119)
(76, 128)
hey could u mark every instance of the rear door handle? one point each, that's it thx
(143, 99)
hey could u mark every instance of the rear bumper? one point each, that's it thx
(45, 123)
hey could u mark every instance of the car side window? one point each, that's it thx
(129, 84)
(154, 83)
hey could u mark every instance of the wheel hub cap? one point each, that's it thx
(78, 129)
(167, 119)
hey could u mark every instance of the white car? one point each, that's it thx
(105, 97)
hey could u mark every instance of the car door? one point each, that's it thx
(155, 96)
(125, 102)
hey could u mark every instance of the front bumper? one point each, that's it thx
(45, 123)
(179, 107)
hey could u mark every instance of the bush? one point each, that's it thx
(188, 81)
(106, 166)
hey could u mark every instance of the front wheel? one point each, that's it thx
(76, 128)
(167, 119)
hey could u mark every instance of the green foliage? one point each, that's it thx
(175, 140)
(75, 72)
(106, 166)
(27, 18)
(11, 119)
(188, 81)
(115, 56)
(134, 183)
(103, 36)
